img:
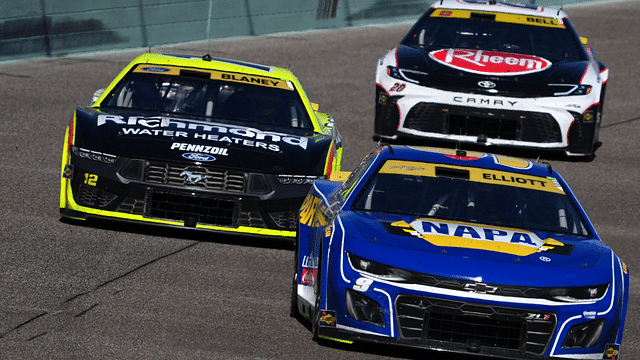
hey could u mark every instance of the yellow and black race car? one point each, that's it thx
(198, 142)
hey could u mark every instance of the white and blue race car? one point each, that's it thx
(458, 251)
(492, 73)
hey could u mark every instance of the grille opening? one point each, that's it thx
(492, 128)
(192, 209)
(464, 328)
(515, 330)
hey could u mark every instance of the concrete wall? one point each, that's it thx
(39, 28)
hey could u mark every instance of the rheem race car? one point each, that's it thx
(492, 73)
(198, 142)
(457, 251)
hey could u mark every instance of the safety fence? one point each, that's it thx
(42, 28)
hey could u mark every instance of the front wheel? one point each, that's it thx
(315, 321)
(293, 312)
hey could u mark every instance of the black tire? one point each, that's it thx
(293, 312)
(315, 320)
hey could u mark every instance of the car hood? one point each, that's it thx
(474, 251)
(464, 70)
(175, 138)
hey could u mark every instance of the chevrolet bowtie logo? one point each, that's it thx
(480, 288)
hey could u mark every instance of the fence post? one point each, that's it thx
(45, 28)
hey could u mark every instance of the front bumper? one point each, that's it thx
(439, 318)
(460, 117)
(161, 194)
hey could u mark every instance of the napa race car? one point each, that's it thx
(198, 142)
(457, 251)
(492, 73)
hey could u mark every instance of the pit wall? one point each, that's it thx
(51, 28)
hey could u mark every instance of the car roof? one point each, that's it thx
(500, 7)
(209, 63)
(466, 158)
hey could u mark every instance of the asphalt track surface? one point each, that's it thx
(113, 291)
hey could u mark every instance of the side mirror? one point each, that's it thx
(96, 96)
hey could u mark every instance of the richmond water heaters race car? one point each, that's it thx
(458, 251)
(492, 73)
(197, 142)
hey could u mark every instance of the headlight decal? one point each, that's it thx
(577, 90)
(586, 315)
(475, 287)
(94, 155)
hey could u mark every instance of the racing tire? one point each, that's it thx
(315, 321)
(293, 312)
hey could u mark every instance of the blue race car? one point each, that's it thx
(457, 251)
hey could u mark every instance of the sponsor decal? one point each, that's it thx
(328, 318)
(224, 75)
(472, 236)
(311, 212)
(545, 259)
(213, 150)
(487, 62)
(309, 276)
(156, 69)
(589, 314)
(611, 351)
(250, 79)
(487, 176)
(198, 157)
(503, 17)
(68, 172)
(483, 101)
(462, 158)
(174, 128)
(382, 99)
(537, 317)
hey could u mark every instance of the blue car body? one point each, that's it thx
(373, 273)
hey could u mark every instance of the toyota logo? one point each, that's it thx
(487, 84)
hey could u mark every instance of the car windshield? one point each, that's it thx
(482, 33)
(526, 202)
(197, 94)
